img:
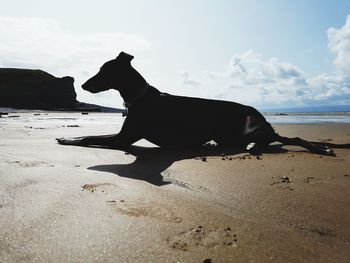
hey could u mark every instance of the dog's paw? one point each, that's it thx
(69, 141)
(250, 146)
(330, 152)
(322, 150)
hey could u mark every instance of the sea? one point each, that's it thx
(51, 118)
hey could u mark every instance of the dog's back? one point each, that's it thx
(189, 121)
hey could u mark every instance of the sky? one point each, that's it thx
(268, 54)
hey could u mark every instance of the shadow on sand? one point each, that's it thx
(150, 162)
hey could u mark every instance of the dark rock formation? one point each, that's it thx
(37, 89)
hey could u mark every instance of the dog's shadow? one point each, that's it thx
(150, 162)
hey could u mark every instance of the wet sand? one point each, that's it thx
(65, 203)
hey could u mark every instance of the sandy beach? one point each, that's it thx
(79, 204)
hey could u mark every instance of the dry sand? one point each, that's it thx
(75, 204)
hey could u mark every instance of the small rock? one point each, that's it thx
(259, 157)
(204, 159)
(285, 179)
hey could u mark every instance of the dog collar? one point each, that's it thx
(138, 96)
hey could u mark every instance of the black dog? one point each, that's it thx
(174, 121)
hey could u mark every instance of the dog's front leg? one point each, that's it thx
(113, 140)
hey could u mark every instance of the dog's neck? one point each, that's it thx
(136, 88)
(128, 103)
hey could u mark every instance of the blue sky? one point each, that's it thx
(264, 53)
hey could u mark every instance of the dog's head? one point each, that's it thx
(112, 75)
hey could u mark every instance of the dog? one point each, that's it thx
(175, 121)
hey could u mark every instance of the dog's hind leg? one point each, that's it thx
(258, 142)
(314, 148)
(258, 134)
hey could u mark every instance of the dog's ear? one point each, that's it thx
(124, 57)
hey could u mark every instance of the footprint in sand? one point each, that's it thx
(100, 186)
(319, 231)
(201, 237)
(27, 164)
(145, 210)
(315, 180)
(283, 182)
(169, 176)
(311, 179)
(133, 209)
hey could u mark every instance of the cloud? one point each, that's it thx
(28, 42)
(269, 82)
(189, 81)
(339, 44)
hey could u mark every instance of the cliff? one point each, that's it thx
(37, 89)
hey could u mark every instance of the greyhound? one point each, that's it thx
(175, 121)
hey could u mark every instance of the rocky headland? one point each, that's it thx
(39, 90)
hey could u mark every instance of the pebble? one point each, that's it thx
(285, 179)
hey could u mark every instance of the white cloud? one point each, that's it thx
(28, 42)
(251, 79)
(339, 44)
(269, 82)
(189, 81)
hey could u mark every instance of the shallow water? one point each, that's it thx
(51, 119)
(308, 119)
